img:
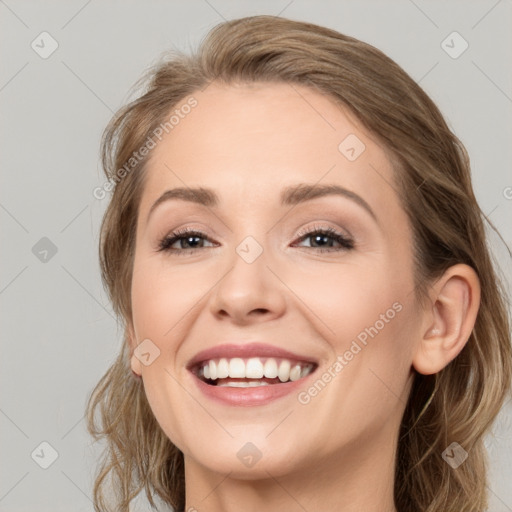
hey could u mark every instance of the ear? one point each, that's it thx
(131, 338)
(450, 320)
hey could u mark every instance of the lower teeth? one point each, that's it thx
(250, 384)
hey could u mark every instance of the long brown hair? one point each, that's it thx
(432, 173)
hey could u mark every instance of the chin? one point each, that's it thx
(265, 467)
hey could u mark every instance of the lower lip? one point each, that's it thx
(258, 395)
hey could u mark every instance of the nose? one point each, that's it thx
(249, 292)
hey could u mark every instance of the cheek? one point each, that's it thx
(346, 298)
(377, 364)
(161, 298)
(364, 388)
(367, 317)
(160, 301)
(375, 333)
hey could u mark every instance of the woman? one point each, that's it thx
(312, 319)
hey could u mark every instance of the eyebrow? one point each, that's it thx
(290, 196)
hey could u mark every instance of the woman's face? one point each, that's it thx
(278, 281)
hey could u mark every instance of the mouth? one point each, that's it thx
(240, 372)
(249, 374)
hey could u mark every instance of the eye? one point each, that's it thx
(320, 239)
(189, 240)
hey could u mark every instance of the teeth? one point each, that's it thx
(294, 372)
(250, 384)
(223, 369)
(284, 371)
(236, 368)
(253, 368)
(306, 371)
(213, 370)
(270, 368)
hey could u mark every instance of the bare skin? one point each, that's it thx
(333, 449)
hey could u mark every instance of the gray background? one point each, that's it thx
(58, 331)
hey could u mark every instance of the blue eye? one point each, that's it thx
(190, 240)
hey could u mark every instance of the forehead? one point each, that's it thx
(250, 141)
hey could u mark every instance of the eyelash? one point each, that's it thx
(345, 242)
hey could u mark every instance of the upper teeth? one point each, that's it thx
(254, 368)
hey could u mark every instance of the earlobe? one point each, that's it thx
(456, 300)
(131, 339)
(136, 366)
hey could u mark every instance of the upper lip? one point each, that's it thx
(246, 350)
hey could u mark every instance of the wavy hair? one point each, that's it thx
(432, 173)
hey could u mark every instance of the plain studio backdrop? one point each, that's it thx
(66, 67)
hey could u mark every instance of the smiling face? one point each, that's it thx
(297, 242)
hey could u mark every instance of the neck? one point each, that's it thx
(354, 479)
